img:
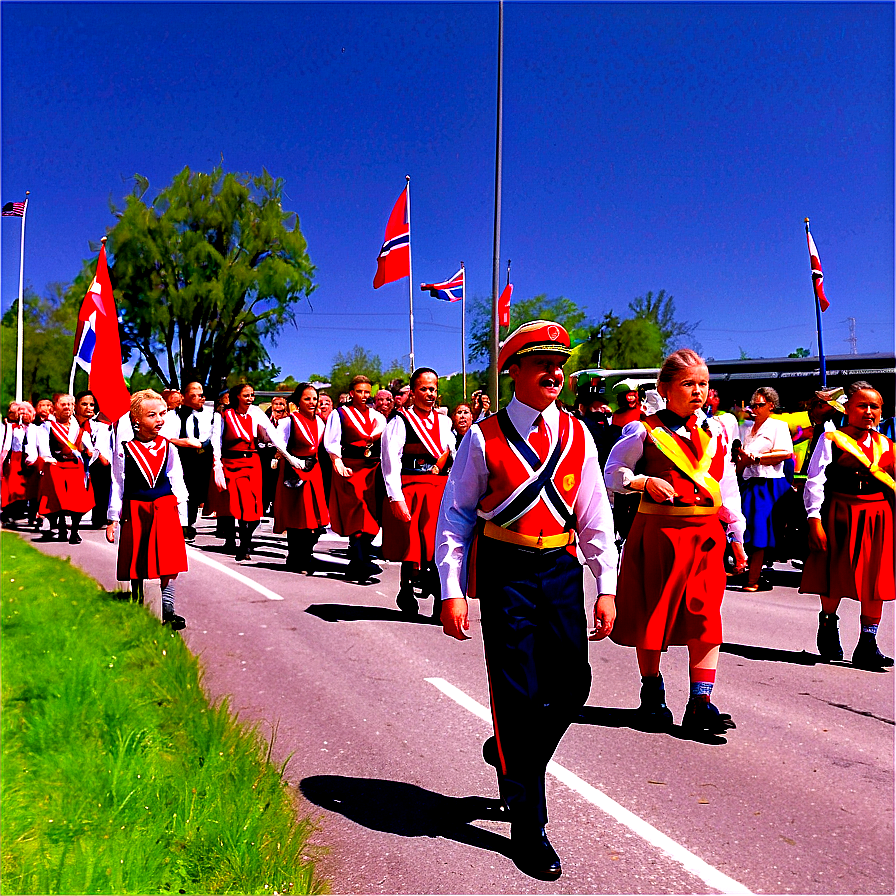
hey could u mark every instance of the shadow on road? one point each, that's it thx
(613, 717)
(773, 655)
(406, 809)
(354, 613)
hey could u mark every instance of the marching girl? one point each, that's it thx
(149, 499)
(352, 439)
(849, 502)
(672, 574)
(66, 450)
(17, 455)
(86, 413)
(300, 502)
(418, 445)
(237, 468)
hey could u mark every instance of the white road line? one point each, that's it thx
(712, 877)
(243, 580)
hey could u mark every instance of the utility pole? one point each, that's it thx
(851, 339)
(493, 341)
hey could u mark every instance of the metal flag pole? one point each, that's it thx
(463, 327)
(493, 342)
(20, 322)
(821, 360)
(410, 270)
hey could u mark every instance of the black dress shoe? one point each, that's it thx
(74, 538)
(242, 555)
(406, 601)
(702, 717)
(867, 654)
(490, 752)
(176, 622)
(532, 852)
(229, 547)
(828, 638)
(653, 713)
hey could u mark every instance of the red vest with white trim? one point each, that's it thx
(238, 433)
(507, 471)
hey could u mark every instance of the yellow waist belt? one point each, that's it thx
(542, 542)
(670, 510)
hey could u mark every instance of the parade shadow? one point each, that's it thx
(406, 809)
(355, 613)
(772, 654)
(614, 717)
(320, 566)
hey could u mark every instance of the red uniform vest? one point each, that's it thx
(238, 433)
(299, 444)
(507, 472)
(655, 463)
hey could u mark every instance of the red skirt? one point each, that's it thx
(14, 484)
(304, 507)
(416, 540)
(151, 541)
(353, 504)
(858, 563)
(242, 497)
(62, 489)
(671, 582)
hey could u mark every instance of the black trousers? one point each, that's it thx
(534, 632)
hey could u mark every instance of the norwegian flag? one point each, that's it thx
(98, 344)
(449, 291)
(14, 210)
(817, 276)
(394, 260)
(504, 306)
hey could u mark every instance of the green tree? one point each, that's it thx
(660, 310)
(357, 362)
(799, 353)
(561, 310)
(636, 342)
(49, 333)
(205, 273)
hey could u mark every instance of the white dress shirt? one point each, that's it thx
(773, 435)
(175, 477)
(468, 481)
(258, 417)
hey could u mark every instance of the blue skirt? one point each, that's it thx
(758, 498)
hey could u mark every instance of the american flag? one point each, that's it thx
(14, 210)
(448, 291)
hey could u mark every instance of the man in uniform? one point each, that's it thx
(526, 485)
(190, 429)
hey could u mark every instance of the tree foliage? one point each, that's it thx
(49, 333)
(660, 310)
(561, 310)
(205, 273)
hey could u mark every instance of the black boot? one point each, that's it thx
(355, 569)
(828, 639)
(137, 591)
(406, 601)
(294, 550)
(170, 618)
(245, 549)
(74, 537)
(867, 654)
(532, 851)
(654, 714)
(226, 529)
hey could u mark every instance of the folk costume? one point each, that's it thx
(850, 488)
(148, 497)
(416, 457)
(20, 479)
(196, 462)
(100, 473)
(672, 577)
(526, 485)
(354, 436)
(300, 502)
(65, 487)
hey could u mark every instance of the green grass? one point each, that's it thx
(117, 774)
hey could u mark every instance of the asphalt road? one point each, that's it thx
(379, 721)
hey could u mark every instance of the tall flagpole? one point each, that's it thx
(20, 323)
(410, 272)
(493, 342)
(821, 359)
(463, 327)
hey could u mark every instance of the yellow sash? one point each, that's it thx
(851, 446)
(694, 469)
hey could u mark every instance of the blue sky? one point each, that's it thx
(646, 147)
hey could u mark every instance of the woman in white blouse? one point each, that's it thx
(766, 444)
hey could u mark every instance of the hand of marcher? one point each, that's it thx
(454, 618)
(740, 556)
(220, 479)
(659, 489)
(341, 468)
(818, 539)
(110, 533)
(400, 511)
(604, 617)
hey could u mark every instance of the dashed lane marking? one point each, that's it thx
(243, 580)
(712, 877)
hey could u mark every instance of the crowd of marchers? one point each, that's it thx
(507, 506)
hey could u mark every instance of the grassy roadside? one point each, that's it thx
(117, 775)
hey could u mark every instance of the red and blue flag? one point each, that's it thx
(448, 291)
(394, 260)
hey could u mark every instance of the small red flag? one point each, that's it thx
(817, 276)
(98, 345)
(504, 306)
(394, 260)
